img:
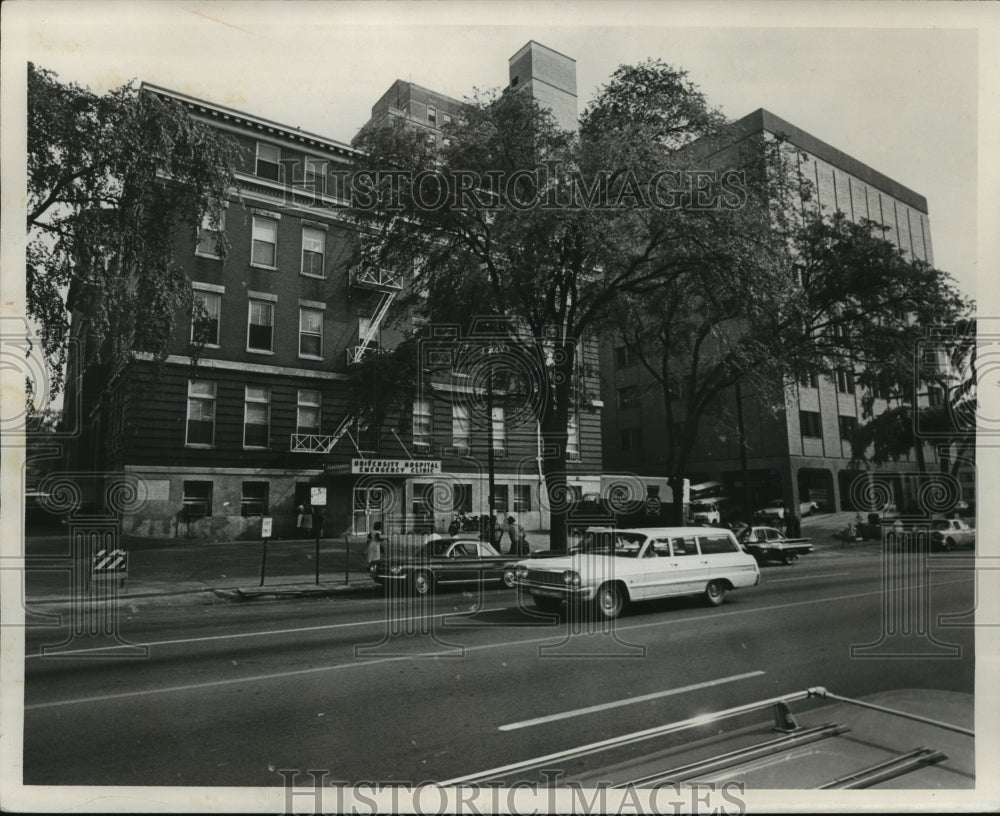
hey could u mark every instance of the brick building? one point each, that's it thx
(243, 427)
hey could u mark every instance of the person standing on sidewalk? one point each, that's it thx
(374, 550)
(303, 521)
(518, 539)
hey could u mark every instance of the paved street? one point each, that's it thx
(230, 693)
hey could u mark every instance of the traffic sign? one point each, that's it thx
(265, 526)
(318, 497)
(109, 565)
(652, 506)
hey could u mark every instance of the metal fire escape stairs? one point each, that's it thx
(389, 285)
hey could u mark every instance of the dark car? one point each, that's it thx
(444, 562)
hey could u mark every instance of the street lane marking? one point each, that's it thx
(806, 577)
(669, 621)
(267, 632)
(292, 631)
(577, 712)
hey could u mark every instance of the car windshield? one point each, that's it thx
(941, 525)
(702, 507)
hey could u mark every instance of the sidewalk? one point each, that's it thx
(175, 571)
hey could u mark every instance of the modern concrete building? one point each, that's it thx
(801, 451)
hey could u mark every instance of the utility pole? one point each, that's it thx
(744, 473)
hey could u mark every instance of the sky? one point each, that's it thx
(898, 89)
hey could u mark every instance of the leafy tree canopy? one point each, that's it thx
(554, 227)
(111, 181)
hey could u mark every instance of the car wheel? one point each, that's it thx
(949, 543)
(791, 558)
(422, 583)
(609, 601)
(715, 592)
(546, 604)
(509, 578)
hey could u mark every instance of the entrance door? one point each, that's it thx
(368, 508)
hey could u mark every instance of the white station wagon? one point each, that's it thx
(615, 567)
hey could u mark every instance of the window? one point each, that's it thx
(847, 427)
(254, 499)
(573, 439)
(431, 116)
(628, 397)
(265, 241)
(810, 422)
(257, 417)
(683, 546)
(209, 235)
(810, 380)
(715, 544)
(935, 396)
(310, 333)
(624, 357)
(197, 501)
(422, 427)
(522, 498)
(845, 381)
(308, 416)
(201, 413)
(461, 497)
(501, 501)
(499, 430)
(364, 327)
(260, 329)
(630, 439)
(268, 161)
(460, 426)
(205, 318)
(313, 251)
(445, 118)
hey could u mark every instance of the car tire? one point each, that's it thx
(715, 593)
(509, 578)
(949, 544)
(422, 583)
(546, 604)
(790, 558)
(609, 601)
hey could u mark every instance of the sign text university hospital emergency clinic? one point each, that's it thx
(396, 467)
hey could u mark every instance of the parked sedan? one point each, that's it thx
(444, 562)
(775, 509)
(768, 544)
(947, 534)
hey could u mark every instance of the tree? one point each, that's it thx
(840, 297)
(544, 228)
(111, 181)
(931, 398)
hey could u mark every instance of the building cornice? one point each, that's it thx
(249, 122)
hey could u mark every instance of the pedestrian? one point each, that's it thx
(303, 521)
(499, 528)
(794, 526)
(374, 551)
(518, 539)
(318, 520)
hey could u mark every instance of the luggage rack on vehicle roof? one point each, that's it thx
(793, 736)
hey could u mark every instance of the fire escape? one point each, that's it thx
(388, 285)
